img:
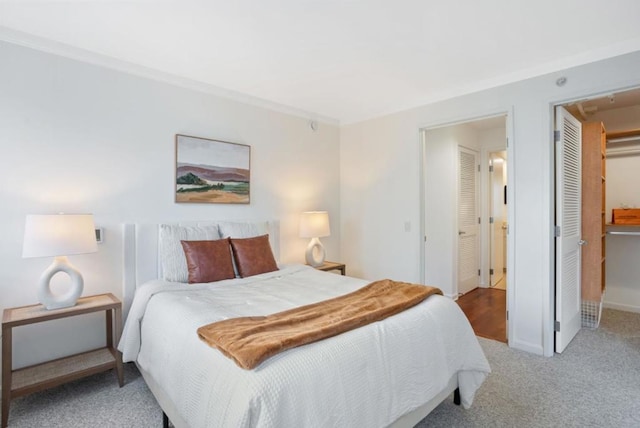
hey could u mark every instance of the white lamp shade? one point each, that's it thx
(314, 224)
(59, 235)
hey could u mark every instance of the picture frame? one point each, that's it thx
(211, 171)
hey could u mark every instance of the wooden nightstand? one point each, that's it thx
(327, 266)
(16, 383)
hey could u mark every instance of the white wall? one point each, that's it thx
(80, 138)
(380, 185)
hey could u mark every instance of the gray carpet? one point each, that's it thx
(594, 383)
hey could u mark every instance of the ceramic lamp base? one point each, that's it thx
(315, 253)
(64, 300)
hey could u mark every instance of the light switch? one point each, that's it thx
(99, 233)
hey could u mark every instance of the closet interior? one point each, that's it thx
(610, 273)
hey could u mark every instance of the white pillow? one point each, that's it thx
(243, 230)
(172, 258)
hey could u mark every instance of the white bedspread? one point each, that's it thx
(367, 377)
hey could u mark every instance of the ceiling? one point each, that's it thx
(340, 60)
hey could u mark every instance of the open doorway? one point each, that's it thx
(465, 215)
(498, 219)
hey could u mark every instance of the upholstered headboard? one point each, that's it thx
(141, 251)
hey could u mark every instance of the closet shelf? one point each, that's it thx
(623, 134)
(623, 232)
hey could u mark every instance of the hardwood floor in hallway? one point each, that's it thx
(486, 309)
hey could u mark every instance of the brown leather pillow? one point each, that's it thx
(253, 255)
(208, 261)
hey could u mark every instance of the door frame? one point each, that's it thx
(485, 156)
(511, 232)
(548, 308)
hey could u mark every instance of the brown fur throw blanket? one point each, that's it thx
(251, 340)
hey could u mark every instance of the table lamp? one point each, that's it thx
(59, 236)
(314, 225)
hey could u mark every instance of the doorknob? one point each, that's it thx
(582, 242)
(460, 232)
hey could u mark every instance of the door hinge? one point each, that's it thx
(490, 220)
(556, 136)
(478, 167)
(507, 141)
(557, 232)
(490, 168)
(479, 220)
(478, 272)
(556, 326)
(507, 315)
(490, 271)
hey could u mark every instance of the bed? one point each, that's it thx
(388, 373)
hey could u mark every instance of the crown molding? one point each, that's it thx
(78, 54)
(64, 50)
(559, 65)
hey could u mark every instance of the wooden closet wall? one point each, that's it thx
(594, 144)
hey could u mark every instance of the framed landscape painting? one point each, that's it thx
(211, 171)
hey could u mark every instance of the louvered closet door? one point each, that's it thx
(568, 219)
(468, 262)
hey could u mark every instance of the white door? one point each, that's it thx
(468, 260)
(568, 141)
(498, 217)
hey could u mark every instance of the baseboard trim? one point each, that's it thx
(622, 307)
(527, 347)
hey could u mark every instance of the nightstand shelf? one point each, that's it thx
(53, 373)
(19, 382)
(328, 266)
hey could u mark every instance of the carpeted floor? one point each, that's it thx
(594, 383)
